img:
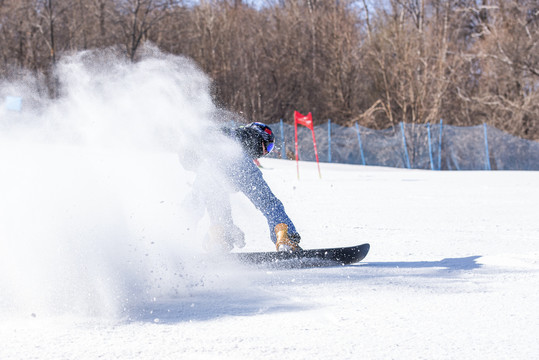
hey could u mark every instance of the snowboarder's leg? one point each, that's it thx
(250, 181)
(223, 234)
(211, 194)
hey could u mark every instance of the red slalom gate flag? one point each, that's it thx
(305, 120)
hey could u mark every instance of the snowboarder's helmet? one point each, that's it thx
(257, 139)
(265, 134)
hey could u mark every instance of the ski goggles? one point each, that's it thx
(269, 146)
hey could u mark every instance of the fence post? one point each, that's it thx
(283, 146)
(430, 147)
(404, 145)
(487, 162)
(329, 140)
(440, 146)
(360, 145)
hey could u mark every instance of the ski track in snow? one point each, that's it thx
(453, 273)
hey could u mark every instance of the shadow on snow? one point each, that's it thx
(209, 304)
(455, 264)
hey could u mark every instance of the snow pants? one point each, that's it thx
(241, 175)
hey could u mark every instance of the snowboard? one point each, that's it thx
(307, 258)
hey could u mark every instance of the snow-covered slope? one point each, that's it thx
(453, 271)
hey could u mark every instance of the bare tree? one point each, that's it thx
(508, 56)
(136, 19)
(379, 63)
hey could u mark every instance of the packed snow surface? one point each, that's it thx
(453, 272)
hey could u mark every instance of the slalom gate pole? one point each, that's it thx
(296, 143)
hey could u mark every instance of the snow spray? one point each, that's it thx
(91, 185)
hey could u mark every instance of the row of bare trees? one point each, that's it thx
(379, 63)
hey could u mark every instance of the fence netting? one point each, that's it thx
(415, 146)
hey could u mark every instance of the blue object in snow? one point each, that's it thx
(13, 103)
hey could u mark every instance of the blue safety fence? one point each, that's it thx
(416, 146)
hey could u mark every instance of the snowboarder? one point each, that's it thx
(223, 174)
